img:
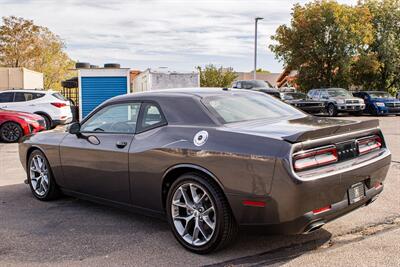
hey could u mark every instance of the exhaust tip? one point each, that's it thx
(314, 227)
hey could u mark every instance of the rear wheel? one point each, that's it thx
(199, 214)
(11, 132)
(48, 121)
(40, 177)
(332, 110)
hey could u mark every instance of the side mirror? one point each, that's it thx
(74, 128)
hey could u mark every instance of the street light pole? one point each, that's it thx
(255, 47)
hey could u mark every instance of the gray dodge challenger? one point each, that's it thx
(212, 161)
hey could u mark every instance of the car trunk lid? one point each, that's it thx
(302, 129)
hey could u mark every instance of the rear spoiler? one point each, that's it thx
(352, 126)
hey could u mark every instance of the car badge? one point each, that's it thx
(200, 138)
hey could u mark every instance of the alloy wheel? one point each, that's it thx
(39, 175)
(193, 214)
(10, 132)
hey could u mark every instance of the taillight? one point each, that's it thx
(369, 144)
(323, 209)
(315, 158)
(59, 105)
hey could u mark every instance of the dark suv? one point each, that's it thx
(256, 85)
(338, 100)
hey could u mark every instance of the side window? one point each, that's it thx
(22, 97)
(118, 118)
(151, 117)
(19, 97)
(6, 97)
(323, 95)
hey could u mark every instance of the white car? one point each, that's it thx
(51, 105)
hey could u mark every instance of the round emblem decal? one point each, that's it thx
(200, 138)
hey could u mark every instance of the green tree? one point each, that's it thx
(322, 41)
(24, 44)
(386, 44)
(212, 76)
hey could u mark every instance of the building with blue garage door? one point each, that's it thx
(97, 85)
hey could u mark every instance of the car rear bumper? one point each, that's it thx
(289, 208)
(62, 121)
(310, 221)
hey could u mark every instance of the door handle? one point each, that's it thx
(121, 144)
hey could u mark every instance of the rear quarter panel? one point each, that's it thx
(243, 164)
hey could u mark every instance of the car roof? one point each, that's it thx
(28, 91)
(330, 88)
(195, 92)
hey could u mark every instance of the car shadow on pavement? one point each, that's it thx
(73, 229)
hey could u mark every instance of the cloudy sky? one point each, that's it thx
(161, 33)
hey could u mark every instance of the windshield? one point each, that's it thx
(245, 107)
(379, 95)
(338, 93)
(294, 96)
(255, 84)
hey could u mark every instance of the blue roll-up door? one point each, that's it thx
(96, 90)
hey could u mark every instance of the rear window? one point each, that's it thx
(245, 107)
(59, 96)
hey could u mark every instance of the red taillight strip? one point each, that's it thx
(314, 160)
(323, 209)
(253, 203)
(364, 148)
(59, 105)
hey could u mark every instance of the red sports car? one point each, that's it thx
(14, 125)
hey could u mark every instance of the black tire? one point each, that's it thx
(225, 226)
(374, 112)
(112, 66)
(49, 122)
(11, 132)
(52, 191)
(332, 110)
(82, 65)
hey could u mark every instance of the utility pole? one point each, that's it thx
(255, 47)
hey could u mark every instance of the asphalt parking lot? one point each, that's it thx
(72, 232)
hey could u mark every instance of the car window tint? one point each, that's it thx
(22, 97)
(324, 94)
(6, 97)
(119, 118)
(152, 116)
(245, 107)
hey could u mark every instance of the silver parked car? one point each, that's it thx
(338, 100)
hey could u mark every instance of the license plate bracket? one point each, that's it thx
(356, 192)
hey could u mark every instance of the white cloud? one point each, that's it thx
(153, 33)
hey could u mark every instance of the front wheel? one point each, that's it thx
(332, 110)
(199, 214)
(40, 177)
(11, 132)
